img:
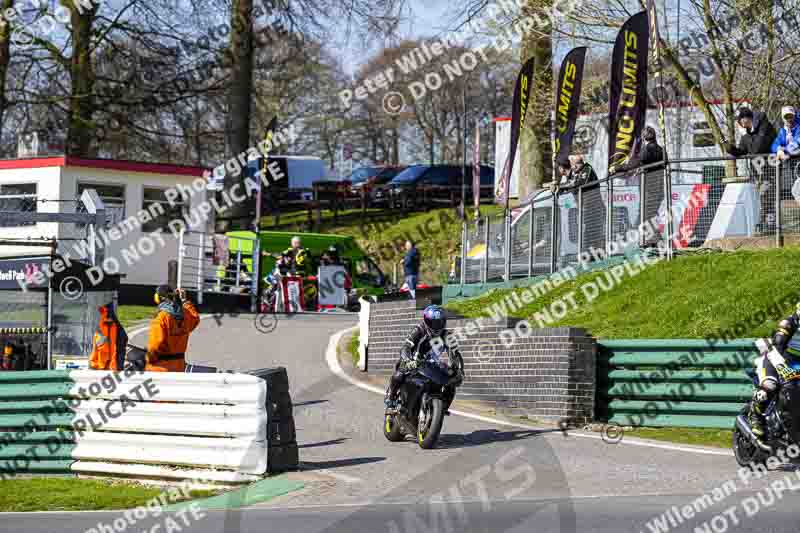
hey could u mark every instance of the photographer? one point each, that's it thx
(169, 331)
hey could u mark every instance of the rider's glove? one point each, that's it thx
(411, 364)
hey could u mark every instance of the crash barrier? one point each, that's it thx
(548, 374)
(282, 451)
(212, 427)
(714, 202)
(673, 382)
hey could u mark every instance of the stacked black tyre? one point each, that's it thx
(282, 439)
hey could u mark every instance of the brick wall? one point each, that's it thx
(549, 375)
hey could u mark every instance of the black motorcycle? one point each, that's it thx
(782, 415)
(424, 397)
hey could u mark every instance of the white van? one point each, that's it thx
(300, 172)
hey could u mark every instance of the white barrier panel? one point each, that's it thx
(203, 477)
(234, 421)
(206, 421)
(227, 389)
(242, 455)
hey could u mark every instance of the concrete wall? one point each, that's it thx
(550, 375)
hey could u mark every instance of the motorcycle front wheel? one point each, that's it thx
(429, 425)
(744, 450)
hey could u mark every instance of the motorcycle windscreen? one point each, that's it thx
(435, 373)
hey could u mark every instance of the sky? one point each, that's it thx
(423, 18)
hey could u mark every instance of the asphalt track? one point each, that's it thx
(484, 476)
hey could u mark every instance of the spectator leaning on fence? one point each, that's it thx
(648, 154)
(594, 209)
(565, 172)
(759, 133)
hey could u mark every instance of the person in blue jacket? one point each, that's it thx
(787, 143)
(411, 268)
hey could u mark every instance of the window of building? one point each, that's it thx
(113, 197)
(18, 198)
(163, 215)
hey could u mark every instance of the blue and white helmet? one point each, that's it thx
(435, 320)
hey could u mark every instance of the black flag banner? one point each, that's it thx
(568, 97)
(522, 95)
(628, 97)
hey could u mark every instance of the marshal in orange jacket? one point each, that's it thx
(169, 336)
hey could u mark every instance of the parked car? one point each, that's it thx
(376, 186)
(424, 184)
(361, 175)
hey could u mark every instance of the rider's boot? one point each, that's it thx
(756, 419)
(390, 401)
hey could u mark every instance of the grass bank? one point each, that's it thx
(690, 297)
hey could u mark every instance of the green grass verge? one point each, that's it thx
(71, 494)
(720, 438)
(130, 314)
(352, 347)
(689, 297)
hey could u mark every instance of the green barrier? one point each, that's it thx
(35, 434)
(673, 382)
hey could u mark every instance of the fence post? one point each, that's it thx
(609, 215)
(554, 235)
(508, 247)
(778, 218)
(531, 235)
(181, 251)
(668, 208)
(642, 206)
(49, 324)
(256, 275)
(486, 251)
(464, 251)
(238, 263)
(580, 223)
(201, 257)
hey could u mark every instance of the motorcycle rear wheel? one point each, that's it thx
(391, 429)
(431, 417)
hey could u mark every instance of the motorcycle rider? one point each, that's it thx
(788, 346)
(431, 329)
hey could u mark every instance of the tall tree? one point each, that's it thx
(5, 57)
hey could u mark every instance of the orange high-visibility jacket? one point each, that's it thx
(169, 337)
(109, 342)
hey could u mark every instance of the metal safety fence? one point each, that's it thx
(215, 263)
(678, 205)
